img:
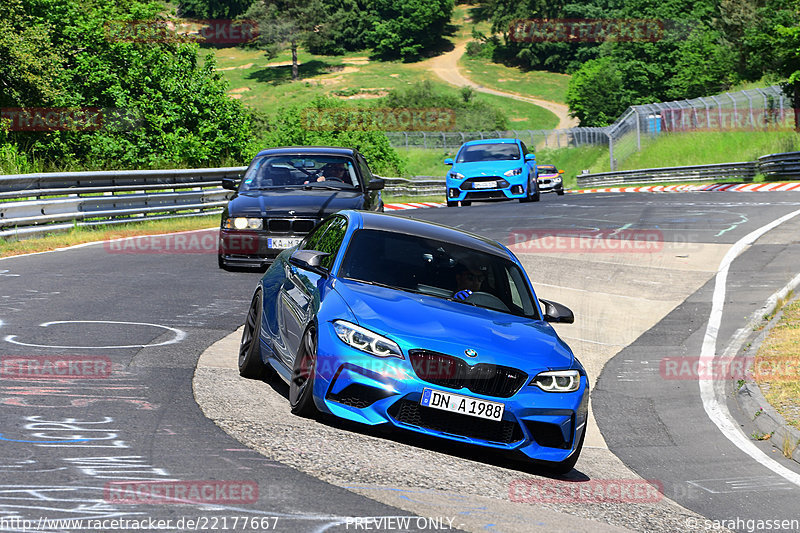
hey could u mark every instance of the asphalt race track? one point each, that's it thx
(151, 316)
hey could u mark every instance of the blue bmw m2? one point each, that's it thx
(492, 169)
(389, 321)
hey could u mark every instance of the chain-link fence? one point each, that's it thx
(748, 110)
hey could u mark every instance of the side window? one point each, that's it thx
(525, 150)
(364, 168)
(312, 239)
(328, 238)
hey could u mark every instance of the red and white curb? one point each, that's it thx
(419, 205)
(715, 187)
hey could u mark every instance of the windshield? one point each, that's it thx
(437, 268)
(299, 171)
(546, 169)
(488, 152)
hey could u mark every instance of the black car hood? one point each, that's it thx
(318, 203)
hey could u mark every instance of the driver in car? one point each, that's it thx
(468, 280)
(335, 172)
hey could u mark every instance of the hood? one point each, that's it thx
(486, 168)
(422, 321)
(280, 202)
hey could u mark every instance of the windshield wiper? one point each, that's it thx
(309, 186)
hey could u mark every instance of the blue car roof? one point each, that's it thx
(309, 150)
(398, 224)
(491, 141)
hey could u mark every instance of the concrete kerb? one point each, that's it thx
(749, 396)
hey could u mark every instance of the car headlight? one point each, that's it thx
(457, 175)
(558, 380)
(243, 223)
(366, 340)
(514, 172)
(557, 179)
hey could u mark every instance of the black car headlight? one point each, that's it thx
(243, 223)
(366, 340)
(558, 380)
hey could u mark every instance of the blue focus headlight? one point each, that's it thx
(366, 340)
(457, 175)
(558, 380)
(514, 172)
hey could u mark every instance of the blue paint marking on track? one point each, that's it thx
(42, 441)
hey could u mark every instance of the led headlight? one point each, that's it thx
(558, 380)
(366, 340)
(243, 223)
(457, 175)
(514, 172)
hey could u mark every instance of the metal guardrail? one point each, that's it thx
(31, 204)
(744, 171)
(776, 166)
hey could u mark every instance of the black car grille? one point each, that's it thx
(468, 185)
(456, 373)
(299, 226)
(484, 195)
(411, 413)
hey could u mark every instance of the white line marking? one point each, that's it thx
(179, 335)
(712, 392)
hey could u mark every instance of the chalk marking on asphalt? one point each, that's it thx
(742, 220)
(712, 392)
(179, 335)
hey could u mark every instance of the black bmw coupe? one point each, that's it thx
(284, 193)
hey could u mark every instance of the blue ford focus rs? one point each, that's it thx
(492, 169)
(390, 321)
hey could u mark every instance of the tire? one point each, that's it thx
(527, 197)
(221, 263)
(560, 191)
(568, 464)
(466, 203)
(250, 363)
(452, 204)
(537, 195)
(301, 386)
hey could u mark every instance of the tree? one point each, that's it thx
(596, 94)
(405, 28)
(285, 23)
(213, 9)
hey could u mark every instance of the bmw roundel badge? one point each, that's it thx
(470, 353)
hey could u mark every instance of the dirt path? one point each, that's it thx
(446, 67)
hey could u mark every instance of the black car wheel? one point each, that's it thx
(301, 387)
(536, 196)
(452, 204)
(560, 191)
(250, 363)
(465, 203)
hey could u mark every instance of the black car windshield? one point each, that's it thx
(488, 152)
(437, 268)
(299, 171)
(546, 169)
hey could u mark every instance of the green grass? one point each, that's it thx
(421, 162)
(705, 148)
(80, 235)
(545, 85)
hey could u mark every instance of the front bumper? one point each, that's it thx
(550, 184)
(356, 386)
(249, 249)
(505, 188)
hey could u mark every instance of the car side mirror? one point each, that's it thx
(556, 312)
(309, 260)
(530, 157)
(448, 161)
(376, 184)
(230, 183)
(560, 171)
